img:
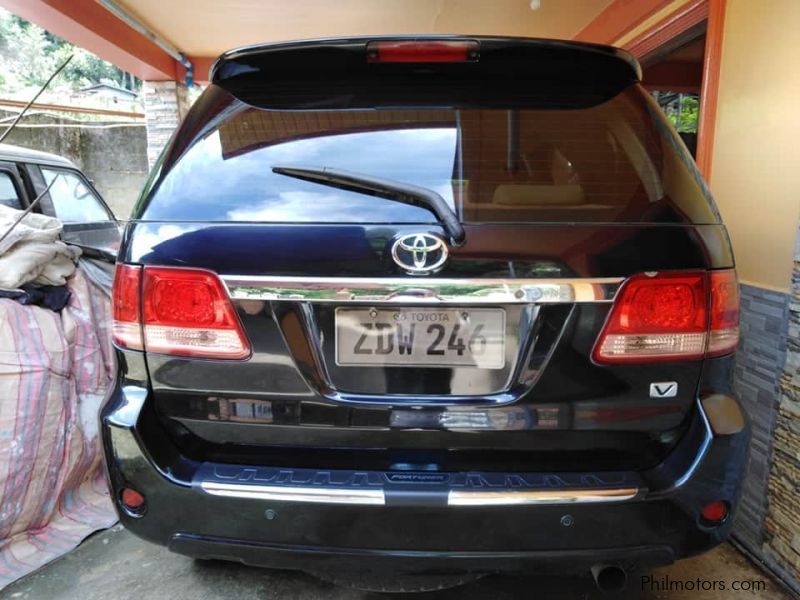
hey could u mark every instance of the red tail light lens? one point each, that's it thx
(187, 312)
(183, 312)
(127, 329)
(658, 317)
(724, 335)
(423, 51)
(671, 316)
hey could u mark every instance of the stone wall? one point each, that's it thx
(759, 363)
(115, 156)
(782, 545)
(112, 155)
(165, 104)
(767, 381)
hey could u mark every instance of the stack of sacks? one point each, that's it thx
(32, 252)
(56, 368)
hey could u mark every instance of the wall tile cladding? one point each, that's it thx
(759, 364)
(782, 526)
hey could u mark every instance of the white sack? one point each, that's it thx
(32, 252)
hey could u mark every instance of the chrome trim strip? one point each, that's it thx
(701, 454)
(296, 493)
(396, 290)
(377, 497)
(512, 497)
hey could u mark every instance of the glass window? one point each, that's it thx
(73, 200)
(8, 191)
(607, 163)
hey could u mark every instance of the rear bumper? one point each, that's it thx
(285, 518)
(321, 559)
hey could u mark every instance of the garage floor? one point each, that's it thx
(115, 564)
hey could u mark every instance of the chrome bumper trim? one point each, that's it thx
(708, 437)
(423, 290)
(377, 497)
(516, 498)
(296, 493)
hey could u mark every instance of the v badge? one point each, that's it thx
(664, 389)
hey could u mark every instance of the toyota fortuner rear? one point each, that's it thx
(426, 307)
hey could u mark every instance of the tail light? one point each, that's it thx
(413, 51)
(671, 316)
(183, 312)
(127, 329)
(724, 329)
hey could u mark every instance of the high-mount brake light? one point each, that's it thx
(671, 316)
(184, 312)
(413, 51)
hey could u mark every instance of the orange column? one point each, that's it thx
(710, 87)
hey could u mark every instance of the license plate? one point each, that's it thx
(421, 337)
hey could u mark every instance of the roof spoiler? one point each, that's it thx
(425, 71)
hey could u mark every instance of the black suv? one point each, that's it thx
(425, 309)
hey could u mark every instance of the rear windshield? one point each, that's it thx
(610, 163)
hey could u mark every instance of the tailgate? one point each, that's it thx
(422, 256)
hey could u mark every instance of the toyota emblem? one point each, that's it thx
(420, 253)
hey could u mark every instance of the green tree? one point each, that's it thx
(24, 51)
(685, 118)
(29, 55)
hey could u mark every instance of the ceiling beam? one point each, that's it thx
(617, 19)
(669, 30)
(87, 24)
(674, 76)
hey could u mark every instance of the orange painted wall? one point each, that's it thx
(756, 156)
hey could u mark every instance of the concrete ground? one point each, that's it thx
(115, 564)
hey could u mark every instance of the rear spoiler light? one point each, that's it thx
(425, 71)
(182, 312)
(431, 51)
(671, 316)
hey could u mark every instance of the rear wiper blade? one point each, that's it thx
(384, 188)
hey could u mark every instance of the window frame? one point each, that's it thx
(11, 169)
(64, 169)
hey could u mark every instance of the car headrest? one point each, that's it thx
(538, 195)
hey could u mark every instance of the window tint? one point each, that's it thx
(613, 162)
(8, 191)
(73, 200)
